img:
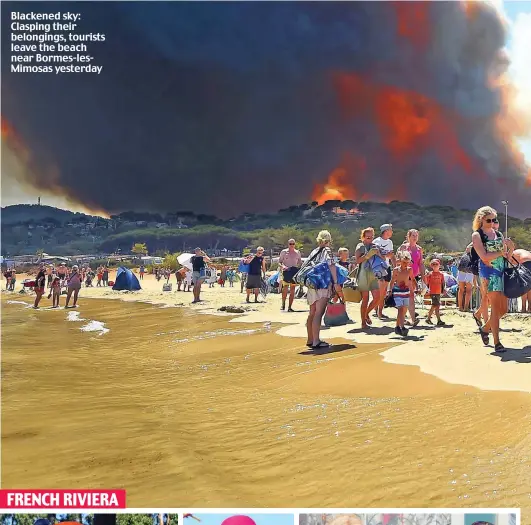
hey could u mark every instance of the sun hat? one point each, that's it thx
(385, 227)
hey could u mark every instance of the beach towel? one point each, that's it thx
(379, 266)
(243, 268)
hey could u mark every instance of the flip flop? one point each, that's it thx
(484, 337)
(321, 344)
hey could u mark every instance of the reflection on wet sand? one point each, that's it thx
(178, 416)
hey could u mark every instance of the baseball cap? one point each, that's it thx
(385, 227)
(435, 261)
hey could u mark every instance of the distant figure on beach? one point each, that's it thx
(73, 286)
(104, 276)
(492, 250)
(435, 282)
(179, 276)
(198, 261)
(40, 285)
(99, 276)
(223, 276)
(13, 280)
(61, 273)
(367, 282)
(257, 271)
(231, 274)
(290, 261)
(55, 291)
(188, 280)
(142, 272)
(385, 245)
(8, 274)
(318, 299)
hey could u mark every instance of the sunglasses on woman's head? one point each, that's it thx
(495, 221)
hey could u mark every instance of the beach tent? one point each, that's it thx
(126, 280)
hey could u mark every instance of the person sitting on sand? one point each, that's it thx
(402, 282)
(198, 261)
(257, 270)
(55, 292)
(73, 286)
(436, 284)
(40, 285)
(318, 299)
(290, 261)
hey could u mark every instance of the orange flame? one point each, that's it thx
(410, 124)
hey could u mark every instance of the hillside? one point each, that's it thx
(27, 229)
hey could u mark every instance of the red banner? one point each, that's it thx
(62, 499)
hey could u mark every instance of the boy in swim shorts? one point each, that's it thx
(435, 282)
(401, 283)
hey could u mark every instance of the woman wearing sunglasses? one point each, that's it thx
(492, 251)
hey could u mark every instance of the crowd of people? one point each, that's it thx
(383, 276)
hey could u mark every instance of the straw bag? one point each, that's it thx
(351, 292)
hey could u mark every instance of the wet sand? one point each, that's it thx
(187, 409)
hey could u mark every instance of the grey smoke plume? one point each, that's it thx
(228, 107)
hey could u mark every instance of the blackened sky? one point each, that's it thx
(215, 107)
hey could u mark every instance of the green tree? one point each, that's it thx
(139, 249)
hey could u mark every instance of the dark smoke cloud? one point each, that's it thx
(228, 107)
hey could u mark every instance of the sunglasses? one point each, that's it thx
(495, 221)
(292, 244)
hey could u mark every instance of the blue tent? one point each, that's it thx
(126, 280)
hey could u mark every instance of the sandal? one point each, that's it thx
(484, 337)
(478, 322)
(498, 347)
(321, 344)
(309, 345)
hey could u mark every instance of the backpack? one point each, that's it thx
(469, 262)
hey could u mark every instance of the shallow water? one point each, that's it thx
(188, 410)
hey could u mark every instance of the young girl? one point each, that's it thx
(55, 292)
(401, 285)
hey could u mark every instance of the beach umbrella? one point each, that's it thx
(185, 259)
(239, 520)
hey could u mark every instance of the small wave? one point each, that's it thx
(218, 333)
(27, 305)
(95, 326)
(74, 316)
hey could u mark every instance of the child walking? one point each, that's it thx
(55, 291)
(435, 282)
(402, 281)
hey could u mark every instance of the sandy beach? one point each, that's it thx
(183, 405)
(454, 354)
